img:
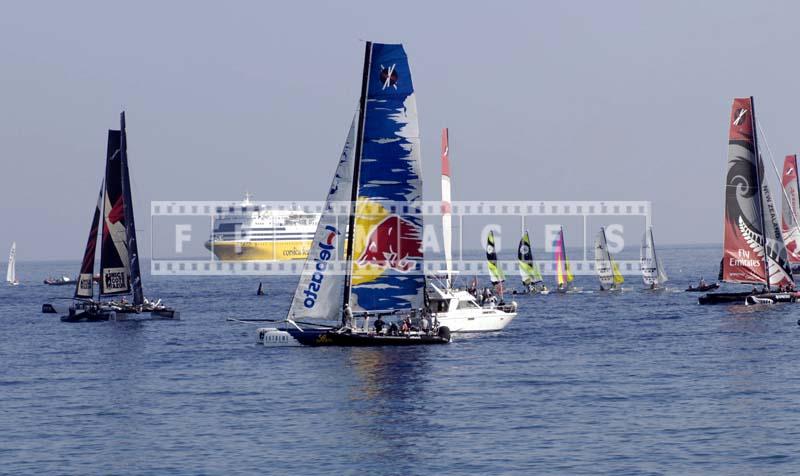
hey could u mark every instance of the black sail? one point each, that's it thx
(114, 261)
(85, 286)
(130, 224)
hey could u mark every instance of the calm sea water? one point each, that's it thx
(637, 383)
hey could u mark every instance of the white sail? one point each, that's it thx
(447, 220)
(653, 272)
(602, 261)
(778, 266)
(319, 294)
(11, 272)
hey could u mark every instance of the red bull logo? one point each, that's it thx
(391, 244)
(321, 264)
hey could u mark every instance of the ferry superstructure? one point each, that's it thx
(246, 231)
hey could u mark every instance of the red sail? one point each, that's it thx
(743, 247)
(790, 211)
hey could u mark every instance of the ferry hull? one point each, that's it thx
(259, 250)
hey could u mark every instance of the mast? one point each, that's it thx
(362, 114)
(758, 186)
(130, 225)
(564, 257)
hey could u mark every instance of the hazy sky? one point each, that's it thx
(544, 100)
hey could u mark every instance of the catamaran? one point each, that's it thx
(119, 253)
(528, 270)
(605, 266)
(653, 272)
(753, 249)
(790, 211)
(496, 274)
(457, 309)
(563, 272)
(380, 241)
(11, 271)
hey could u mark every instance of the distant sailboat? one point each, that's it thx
(753, 249)
(495, 273)
(11, 272)
(605, 266)
(790, 211)
(528, 269)
(563, 271)
(653, 272)
(379, 244)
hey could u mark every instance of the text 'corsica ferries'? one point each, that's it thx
(366, 262)
(248, 232)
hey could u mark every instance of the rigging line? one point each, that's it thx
(777, 174)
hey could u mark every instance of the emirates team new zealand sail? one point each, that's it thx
(753, 250)
(366, 260)
(790, 211)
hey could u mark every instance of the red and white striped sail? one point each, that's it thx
(447, 220)
(790, 211)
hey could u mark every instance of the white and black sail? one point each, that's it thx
(653, 272)
(85, 286)
(114, 260)
(602, 261)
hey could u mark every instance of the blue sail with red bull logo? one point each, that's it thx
(387, 263)
(319, 294)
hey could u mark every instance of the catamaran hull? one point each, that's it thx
(744, 298)
(117, 314)
(702, 289)
(58, 282)
(325, 337)
(89, 316)
(274, 337)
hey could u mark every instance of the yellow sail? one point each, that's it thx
(570, 277)
(618, 279)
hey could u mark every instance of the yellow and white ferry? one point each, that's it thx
(246, 232)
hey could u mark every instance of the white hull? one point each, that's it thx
(273, 337)
(143, 316)
(460, 312)
(483, 320)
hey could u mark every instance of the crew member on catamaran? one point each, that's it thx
(347, 317)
